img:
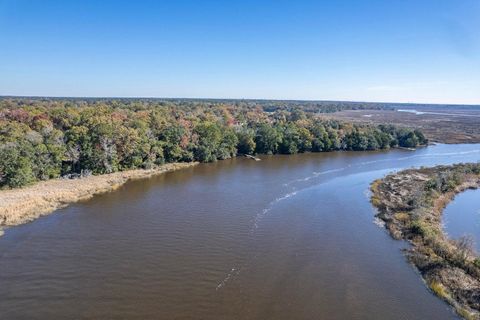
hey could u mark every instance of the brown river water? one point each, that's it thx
(288, 237)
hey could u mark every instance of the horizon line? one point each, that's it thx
(2, 96)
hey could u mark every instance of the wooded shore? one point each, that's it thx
(21, 205)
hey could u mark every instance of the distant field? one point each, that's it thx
(445, 124)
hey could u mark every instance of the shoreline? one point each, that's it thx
(411, 203)
(25, 204)
(22, 205)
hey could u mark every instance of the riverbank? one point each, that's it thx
(18, 206)
(411, 203)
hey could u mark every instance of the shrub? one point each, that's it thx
(402, 216)
(431, 185)
(420, 228)
(476, 262)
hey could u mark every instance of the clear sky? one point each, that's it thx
(382, 50)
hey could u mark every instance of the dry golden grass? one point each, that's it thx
(403, 217)
(19, 206)
(374, 188)
(439, 289)
(466, 314)
(445, 266)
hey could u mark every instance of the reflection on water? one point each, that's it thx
(289, 237)
(462, 217)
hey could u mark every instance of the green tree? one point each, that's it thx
(246, 141)
(267, 139)
(16, 165)
(209, 139)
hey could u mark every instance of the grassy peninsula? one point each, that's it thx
(411, 203)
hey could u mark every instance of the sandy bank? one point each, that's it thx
(22, 205)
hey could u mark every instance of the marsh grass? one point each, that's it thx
(411, 203)
(439, 290)
(22, 205)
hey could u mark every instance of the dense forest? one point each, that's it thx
(48, 138)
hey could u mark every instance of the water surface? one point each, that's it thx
(288, 237)
(419, 113)
(462, 217)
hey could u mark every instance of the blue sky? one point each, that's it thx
(398, 50)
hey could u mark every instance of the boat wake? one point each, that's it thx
(234, 272)
(261, 215)
(431, 155)
(315, 175)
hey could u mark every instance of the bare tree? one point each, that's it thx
(465, 246)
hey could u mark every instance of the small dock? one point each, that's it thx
(252, 157)
(406, 148)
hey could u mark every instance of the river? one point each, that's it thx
(288, 237)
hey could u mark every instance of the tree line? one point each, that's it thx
(42, 139)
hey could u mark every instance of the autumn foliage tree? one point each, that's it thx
(42, 139)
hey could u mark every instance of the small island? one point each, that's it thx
(410, 203)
